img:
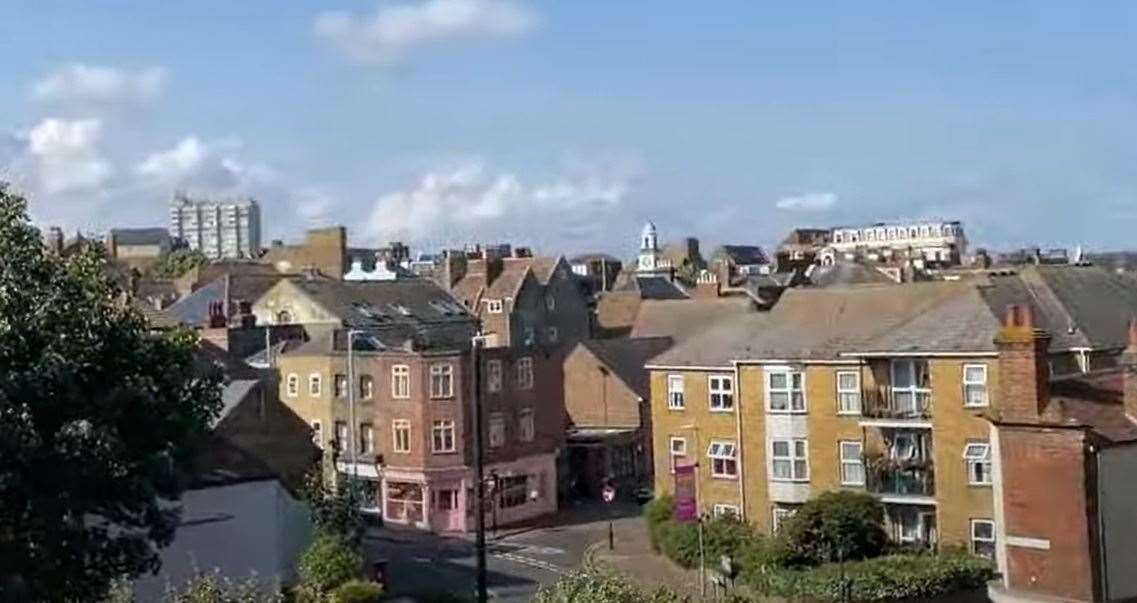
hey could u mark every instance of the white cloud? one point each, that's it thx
(66, 156)
(812, 202)
(79, 83)
(394, 31)
(466, 201)
(194, 163)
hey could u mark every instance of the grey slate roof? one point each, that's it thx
(653, 287)
(626, 357)
(140, 236)
(847, 273)
(745, 254)
(683, 319)
(929, 317)
(193, 309)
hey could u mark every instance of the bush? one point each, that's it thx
(357, 591)
(836, 526)
(212, 587)
(329, 562)
(656, 513)
(598, 587)
(679, 541)
(897, 577)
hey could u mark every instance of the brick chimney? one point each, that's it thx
(1024, 369)
(453, 268)
(1129, 366)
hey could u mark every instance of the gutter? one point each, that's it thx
(738, 439)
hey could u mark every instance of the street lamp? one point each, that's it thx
(699, 509)
(477, 342)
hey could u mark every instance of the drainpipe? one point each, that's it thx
(738, 440)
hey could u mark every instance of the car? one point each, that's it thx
(643, 495)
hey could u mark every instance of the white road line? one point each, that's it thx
(537, 563)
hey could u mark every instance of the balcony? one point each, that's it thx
(902, 480)
(897, 404)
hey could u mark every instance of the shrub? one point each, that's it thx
(600, 587)
(357, 591)
(897, 577)
(212, 587)
(656, 513)
(838, 525)
(329, 562)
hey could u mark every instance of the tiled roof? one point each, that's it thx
(140, 236)
(683, 319)
(745, 254)
(1093, 401)
(626, 357)
(847, 273)
(193, 309)
(651, 287)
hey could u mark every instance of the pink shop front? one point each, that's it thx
(443, 501)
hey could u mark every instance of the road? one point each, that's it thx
(517, 564)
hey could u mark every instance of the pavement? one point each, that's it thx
(520, 559)
(633, 557)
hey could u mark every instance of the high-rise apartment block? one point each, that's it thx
(219, 229)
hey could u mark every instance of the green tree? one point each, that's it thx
(838, 526)
(97, 416)
(329, 562)
(335, 510)
(179, 262)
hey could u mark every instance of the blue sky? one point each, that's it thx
(567, 124)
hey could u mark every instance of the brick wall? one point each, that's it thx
(1045, 477)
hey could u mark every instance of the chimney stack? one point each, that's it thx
(1129, 375)
(1024, 367)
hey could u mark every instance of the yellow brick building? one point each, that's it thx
(874, 388)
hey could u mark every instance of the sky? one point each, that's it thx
(567, 125)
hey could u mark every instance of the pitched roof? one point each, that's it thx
(193, 309)
(928, 317)
(682, 319)
(745, 254)
(847, 273)
(626, 357)
(363, 304)
(651, 287)
(140, 236)
(1093, 401)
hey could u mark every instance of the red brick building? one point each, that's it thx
(1065, 463)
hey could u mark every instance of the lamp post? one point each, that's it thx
(354, 444)
(699, 510)
(479, 471)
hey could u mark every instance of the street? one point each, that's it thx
(518, 562)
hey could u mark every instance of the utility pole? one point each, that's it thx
(480, 484)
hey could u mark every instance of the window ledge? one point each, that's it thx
(722, 410)
(789, 481)
(726, 477)
(787, 412)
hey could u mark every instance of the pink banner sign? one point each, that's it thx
(686, 498)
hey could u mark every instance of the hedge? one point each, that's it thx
(890, 578)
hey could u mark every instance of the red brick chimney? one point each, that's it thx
(1129, 366)
(1024, 369)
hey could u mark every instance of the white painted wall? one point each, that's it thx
(252, 528)
(1117, 491)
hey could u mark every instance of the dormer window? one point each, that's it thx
(495, 306)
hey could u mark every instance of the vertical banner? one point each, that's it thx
(686, 501)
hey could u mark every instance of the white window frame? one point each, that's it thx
(495, 306)
(975, 455)
(292, 385)
(913, 389)
(442, 427)
(496, 430)
(857, 462)
(854, 393)
(977, 384)
(401, 445)
(794, 394)
(672, 449)
(526, 425)
(343, 435)
(444, 372)
(723, 455)
(318, 434)
(524, 373)
(676, 394)
(315, 384)
(792, 458)
(400, 382)
(725, 510)
(975, 539)
(779, 516)
(340, 385)
(493, 375)
(720, 398)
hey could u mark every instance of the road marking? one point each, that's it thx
(542, 550)
(537, 563)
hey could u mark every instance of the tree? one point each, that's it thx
(335, 510)
(328, 563)
(179, 262)
(838, 526)
(97, 418)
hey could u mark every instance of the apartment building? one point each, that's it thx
(219, 229)
(878, 388)
(409, 376)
